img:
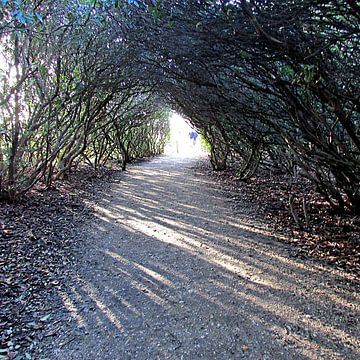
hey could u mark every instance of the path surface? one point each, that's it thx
(170, 273)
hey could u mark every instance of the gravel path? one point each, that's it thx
(169, 272)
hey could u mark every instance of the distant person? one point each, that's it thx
(193, 136)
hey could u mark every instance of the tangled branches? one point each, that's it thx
(260, 83)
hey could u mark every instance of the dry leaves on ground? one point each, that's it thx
(39, 236)
(317, 231)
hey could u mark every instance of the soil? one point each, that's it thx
(167, 270)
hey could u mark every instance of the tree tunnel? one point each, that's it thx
(93, 80)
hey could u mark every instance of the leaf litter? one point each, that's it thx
(317, 232)
(39, 238)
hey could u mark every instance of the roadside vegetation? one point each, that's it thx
(92, 80)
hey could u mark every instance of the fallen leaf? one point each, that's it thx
(45, 318)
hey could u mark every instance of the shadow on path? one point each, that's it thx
(170, 273)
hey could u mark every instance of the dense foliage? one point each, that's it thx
(274, 81)
(67, 95)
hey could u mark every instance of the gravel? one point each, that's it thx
(168, 271)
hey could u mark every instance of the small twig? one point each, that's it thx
(68, 342)
(306, 216)
(292, 210)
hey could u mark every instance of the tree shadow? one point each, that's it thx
(171, 274)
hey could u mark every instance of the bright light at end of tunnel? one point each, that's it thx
(182, 143)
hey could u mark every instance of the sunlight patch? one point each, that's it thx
(184, 139)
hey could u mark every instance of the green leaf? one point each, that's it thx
(288, 70)
(70, 16)
(244, 55)
(39, 18)
(18, 15)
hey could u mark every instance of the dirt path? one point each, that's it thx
(170, 273)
